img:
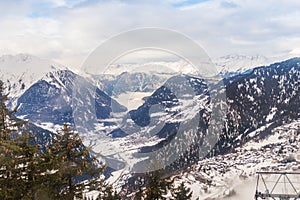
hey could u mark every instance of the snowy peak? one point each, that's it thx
(156, 67)
(240, 63)
(21, 63)
(21, 71)
(225, 65)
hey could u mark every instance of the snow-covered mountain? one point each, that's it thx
(174, 107)
(48, 102)
(233, 64)
(19, 72)
(42, 90)
(263, 97)
(158, 67)
(263, 107)
(129, 83)
(44, 96)
(263, 104)
(233, 175)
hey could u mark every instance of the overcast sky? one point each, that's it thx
(68, 30)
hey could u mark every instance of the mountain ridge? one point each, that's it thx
(260, 101)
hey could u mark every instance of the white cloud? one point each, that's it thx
(65, 3)
(67, 31)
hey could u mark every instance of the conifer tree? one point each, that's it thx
(70, 159)
(156, 186)
(29, 163)
(10, 186)
(182, 193)
(9, 170)
(108, 194)
(9, 125)
(139, 194)
(17, 155)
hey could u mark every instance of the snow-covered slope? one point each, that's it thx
(161, 67)
(42, 90)
(48, 102)
(171, 109)
(19, 72)
(233, 176)
(234, 64)
(263, 105)
(227, 176)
